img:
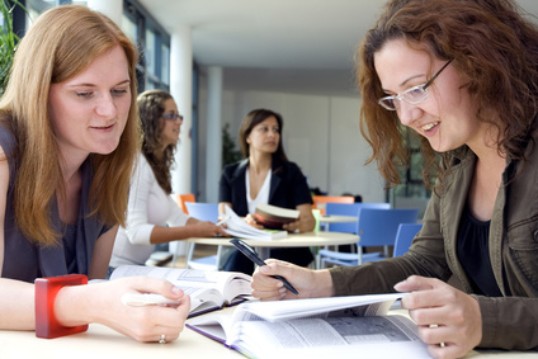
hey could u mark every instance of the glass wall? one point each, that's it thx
(153, 70)
(153, 45)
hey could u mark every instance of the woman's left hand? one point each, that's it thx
(449, 321)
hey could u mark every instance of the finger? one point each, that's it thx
(415, 283)
(436, 334)
(172, 318)
(155, 285)
(270, 295)
(444, 296)
(428, 316)
(446, 351)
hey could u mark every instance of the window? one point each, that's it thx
(153, 43)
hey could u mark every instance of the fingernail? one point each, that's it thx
(264, 269)
(176, 290)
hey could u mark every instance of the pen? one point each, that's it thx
(251, 254)
(145, 299)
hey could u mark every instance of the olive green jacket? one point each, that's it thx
(508, 322)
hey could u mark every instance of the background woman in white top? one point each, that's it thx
(153, 216)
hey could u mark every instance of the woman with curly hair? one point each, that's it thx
(463, 76)
(153, 216)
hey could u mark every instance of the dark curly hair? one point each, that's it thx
(489, 42)
(151, 108)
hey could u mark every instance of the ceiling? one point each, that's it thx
(303, 46)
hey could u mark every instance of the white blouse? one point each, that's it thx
(149, 206)
(263, 194)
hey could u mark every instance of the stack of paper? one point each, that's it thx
(238, 227)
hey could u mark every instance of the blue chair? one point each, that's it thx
(203, 212)
(376, 228)
(349, 209)
(404, 237)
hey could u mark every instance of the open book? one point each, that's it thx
(336, 326)
(274, 217)
(209, 290)
(238, 227)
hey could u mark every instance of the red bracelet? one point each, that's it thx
(46, 289)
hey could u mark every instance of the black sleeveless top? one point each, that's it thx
(24, 259)
(473, 253)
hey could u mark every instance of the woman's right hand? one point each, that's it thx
(101, 303)
(309, 283)
(207, 229)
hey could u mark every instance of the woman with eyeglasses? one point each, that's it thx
(463, 76)
(265, 175)
(153, 217)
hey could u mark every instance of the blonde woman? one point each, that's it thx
(68, 141)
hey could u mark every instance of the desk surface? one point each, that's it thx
(101, 342)
(310, 239)
(338, 219)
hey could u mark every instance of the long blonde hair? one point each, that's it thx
(62, 43)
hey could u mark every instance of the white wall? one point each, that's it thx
(321, 134)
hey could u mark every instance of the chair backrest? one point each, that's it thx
(183, 198)
(350, 209)
(404, 237)
(203, 211)
(378, 227)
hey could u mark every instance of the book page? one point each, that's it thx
(375, 304)
(351, 335)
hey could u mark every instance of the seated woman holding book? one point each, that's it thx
(266, 176)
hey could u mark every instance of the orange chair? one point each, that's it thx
(320, 201)
(183, 198)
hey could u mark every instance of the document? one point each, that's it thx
(353, 326)
(238, 227)
(209, 290)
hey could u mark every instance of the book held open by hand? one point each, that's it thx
(353, 326)
(238, 227)
(209, 290)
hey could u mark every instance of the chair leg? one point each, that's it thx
(219, 251)
(190, 253)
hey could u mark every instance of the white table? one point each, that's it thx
(338, 219)
(309, 239)
(102, 342)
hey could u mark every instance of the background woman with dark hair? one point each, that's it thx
(266, 176)
(153, 216)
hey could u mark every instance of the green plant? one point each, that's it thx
(229, 153)
(8, 40)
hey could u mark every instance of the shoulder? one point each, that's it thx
(235, 169)
(8, 142)
(288, 167)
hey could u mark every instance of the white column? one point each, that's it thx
(181, 90)
(214, 133)
(111, 8)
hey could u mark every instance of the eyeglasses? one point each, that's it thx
(172, 116)
(413, 95)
